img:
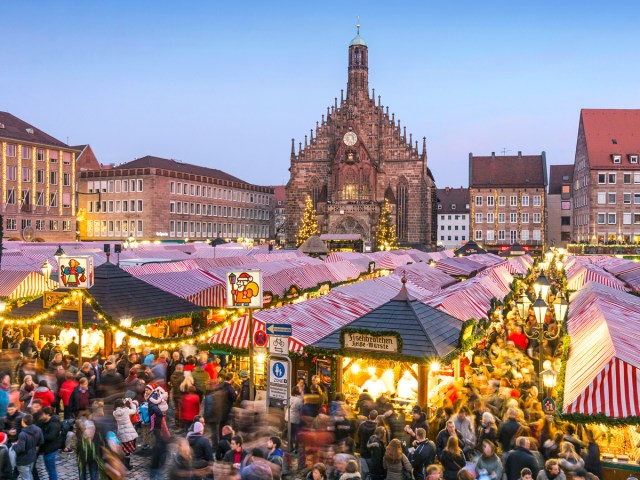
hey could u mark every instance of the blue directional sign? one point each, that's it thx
(279, 329)
(278, 369)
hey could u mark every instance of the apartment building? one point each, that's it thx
(606, 178)
(38, 176)
(154, 198)
(508, 201)
(559, 207)
(453, 217)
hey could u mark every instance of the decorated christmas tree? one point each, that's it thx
(309, 225)
(385, 230)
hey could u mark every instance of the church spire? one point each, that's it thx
(358, 82)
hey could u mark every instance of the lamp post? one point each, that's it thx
(549, 380)
(46, 272)
(560, 307)
(523, 304)
(542, 286)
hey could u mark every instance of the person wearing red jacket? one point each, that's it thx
(189, 407)
(66, 389)
(519, 339)
(44, 393)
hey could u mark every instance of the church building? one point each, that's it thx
(358, 156)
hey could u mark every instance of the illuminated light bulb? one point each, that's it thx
(260, 358)
(371, 370)
(434, 367)
(355, 368)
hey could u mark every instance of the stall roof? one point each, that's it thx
(426, 332)
(120, 295)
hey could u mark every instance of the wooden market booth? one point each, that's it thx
(116, 299)
(394, 349)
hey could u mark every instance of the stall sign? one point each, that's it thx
(372, 343)
(244, 289)
(76, 271)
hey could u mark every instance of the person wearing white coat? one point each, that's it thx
(123, 409)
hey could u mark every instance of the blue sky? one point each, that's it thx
(228, 84)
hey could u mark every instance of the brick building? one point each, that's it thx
(559, 209)
(508, 200)
(606, 177)
(153, 198)
(453, 217)
(38, 176)
(357, 156)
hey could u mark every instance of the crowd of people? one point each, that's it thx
(489, 425)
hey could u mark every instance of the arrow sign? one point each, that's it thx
(280, 329)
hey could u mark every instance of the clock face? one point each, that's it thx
(350, 139)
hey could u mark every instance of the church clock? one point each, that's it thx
(350, 139)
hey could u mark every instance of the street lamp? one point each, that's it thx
(560, 307)
(549, 256)
(46, 270)
(542, 286)
(540, 308)
(59, 252)
(523, 304)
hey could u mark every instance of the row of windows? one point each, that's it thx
(184, 208)
(611, 197)
(462, 239)
(12, 152)
(25, 200)
(179, 228)
(115, 186)
(611, 178)
(39, 225)
(115, 206)
(206, 191)
(617, 158)
(513, 217)
(611, 218)
(513, 235)
(457, 217)
(462, 227)
(12, 175)
(513, 200)
(114, 228)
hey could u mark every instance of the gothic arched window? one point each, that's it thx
(315, 191)
(402, 210)
(350, 186)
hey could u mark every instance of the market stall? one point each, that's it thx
(602, 379)
(395, 349)
(16, 284)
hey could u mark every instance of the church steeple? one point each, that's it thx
(358, 84)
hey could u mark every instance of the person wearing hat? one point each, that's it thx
(418, 420)
(6, 470)
(244, 389)
(200, 446)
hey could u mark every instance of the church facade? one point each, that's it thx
(358, 156)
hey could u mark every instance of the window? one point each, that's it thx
(139, 205)
(172, 207)
(525, 200)
(139, 228)
(441, 217)
(524, 235)
(179, 207)
(612, 198)
(513, 201)
(490, 235)
(601, 219)
(490, 201)
(197, 190)
(53, 225)
(479, 204)
(611, 218)
(501, 235)
(185, 191)
(125, 206)
(66, 200)
(40, 225)
(513, 236)
(441, 227)
(11, 196)
(26, 174)
(602, 178)
(125, 186)
(537, 217)
(636, 198)
(616, 158)
(636, 178)
(39, 176)
(40, 199)
(525, 218)
(478, 218)
(12, 224)
(626, 218)
(193, 191)
(40, 156)
(478, 234)
(11, 150)
(26, 198)
(502, 218)
(66, 179)
(179, 188)
(626, 178)
(636, 218)
(440, 207)
(565, 220)
(118, 207)
(140, 185)
(536, 235)
(602, 198)
(172, 187)
(612, 178)
(453, 206)
(626, 198)
(537, 200)
(12, 172)
(502, 201)
(490, 218)
(66, 158)
(442, 237)
(110, 206)
(513, 218)
(110, 186)
(66, 225)
(633, 158)
(53, 158)
(132, 205)
(565, 205)
(53, 178)
(53, 200)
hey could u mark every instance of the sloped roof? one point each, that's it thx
(469, 248)
(120, 295)
(447, 197)
(16, 129)
(426, 332)
(603, 127)
(313, 244)
(507, 171)
(559, 175)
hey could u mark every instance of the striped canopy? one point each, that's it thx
(20, 284)
(603, 368)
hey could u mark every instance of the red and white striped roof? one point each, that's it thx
(197, 286)
(603, 368)
(459, 266)
(579, 275)
(20, 284)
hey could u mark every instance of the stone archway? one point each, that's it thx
(350, 225)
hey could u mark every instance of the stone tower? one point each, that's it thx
(358, 155)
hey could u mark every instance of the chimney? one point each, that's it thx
(493, 155)
(519, 154)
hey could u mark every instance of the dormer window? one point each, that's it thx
(453, 206)
(616, 158)
(633, 158)
(439, 207)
